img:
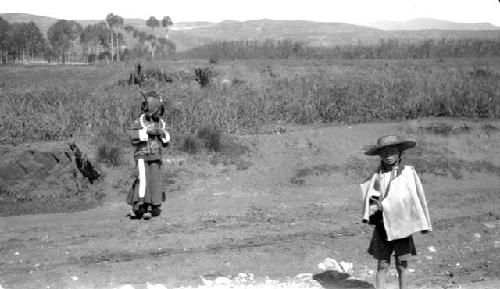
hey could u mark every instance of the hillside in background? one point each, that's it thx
(187, 35)
(431, 24)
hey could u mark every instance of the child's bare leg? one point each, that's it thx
(402, 268)
(382, 269)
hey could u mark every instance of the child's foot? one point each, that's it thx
(147, 216)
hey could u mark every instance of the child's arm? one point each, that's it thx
(163, 133)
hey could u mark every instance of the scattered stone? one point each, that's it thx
(74, 278)
(322, 266)
(305, 276)
(332, 264)
(153, 286)
(497, 244)
(242, 275)
(206, 282)
(477, 236)
(428, 257)
(458, 264)
(411, 270)
(16, 253)
(222, 281)
(127, 286)
(346, 266)
(431, 249)
(490, 226)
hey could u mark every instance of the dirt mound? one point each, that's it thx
(56, 178)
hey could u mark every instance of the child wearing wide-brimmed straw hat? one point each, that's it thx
(394, 202)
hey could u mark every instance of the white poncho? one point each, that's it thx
(404, 207)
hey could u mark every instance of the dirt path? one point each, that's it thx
(260, 221)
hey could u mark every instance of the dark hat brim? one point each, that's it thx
(402, 145)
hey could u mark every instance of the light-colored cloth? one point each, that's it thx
(148, 147)
(404, 207)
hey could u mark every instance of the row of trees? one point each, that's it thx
(23, 42)
(20, 41)
(385, 49)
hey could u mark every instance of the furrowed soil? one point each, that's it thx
(295, 205)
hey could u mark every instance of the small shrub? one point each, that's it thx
(213, 60)
(242, 164)
(109, 154)
(211, 137)
(109, 147)
(190, 145)
(203, 76)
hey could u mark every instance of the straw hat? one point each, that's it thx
(153, 101)
(390, 140)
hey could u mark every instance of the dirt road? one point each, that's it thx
(297, 204)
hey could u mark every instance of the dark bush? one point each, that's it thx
(190, 144)
(211, 137)
(109, 154)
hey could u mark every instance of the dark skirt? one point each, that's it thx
(154, 186)
(381, 249)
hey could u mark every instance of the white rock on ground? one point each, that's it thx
(332, 264)
(304, 276)
(155, 286)
(127, 286)
(206, 282)
(346, 266)
(222, 281)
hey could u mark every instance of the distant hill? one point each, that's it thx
(315, 33)
(187, 35)
(431, 24)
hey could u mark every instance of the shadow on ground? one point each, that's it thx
(332, 279)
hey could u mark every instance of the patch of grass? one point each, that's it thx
(211, 137)
(232, 152)
(444, 129)
(191, 144)
(55, 103)
(16, 203)
(109, 147)
(426, 160)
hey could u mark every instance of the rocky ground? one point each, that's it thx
(279, 222)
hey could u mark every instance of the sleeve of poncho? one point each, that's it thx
(137, 133)
(422, 198)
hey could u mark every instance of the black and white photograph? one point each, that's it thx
(321, 144)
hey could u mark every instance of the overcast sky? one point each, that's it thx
(349, 11)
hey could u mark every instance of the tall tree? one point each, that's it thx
(62, 34)
(166, 23)
(5, 39)
(26, 41)
(95, 36)
(153, 23)
(114, 22)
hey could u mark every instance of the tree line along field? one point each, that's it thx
(44, 103)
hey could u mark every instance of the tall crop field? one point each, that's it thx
(56, 102)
